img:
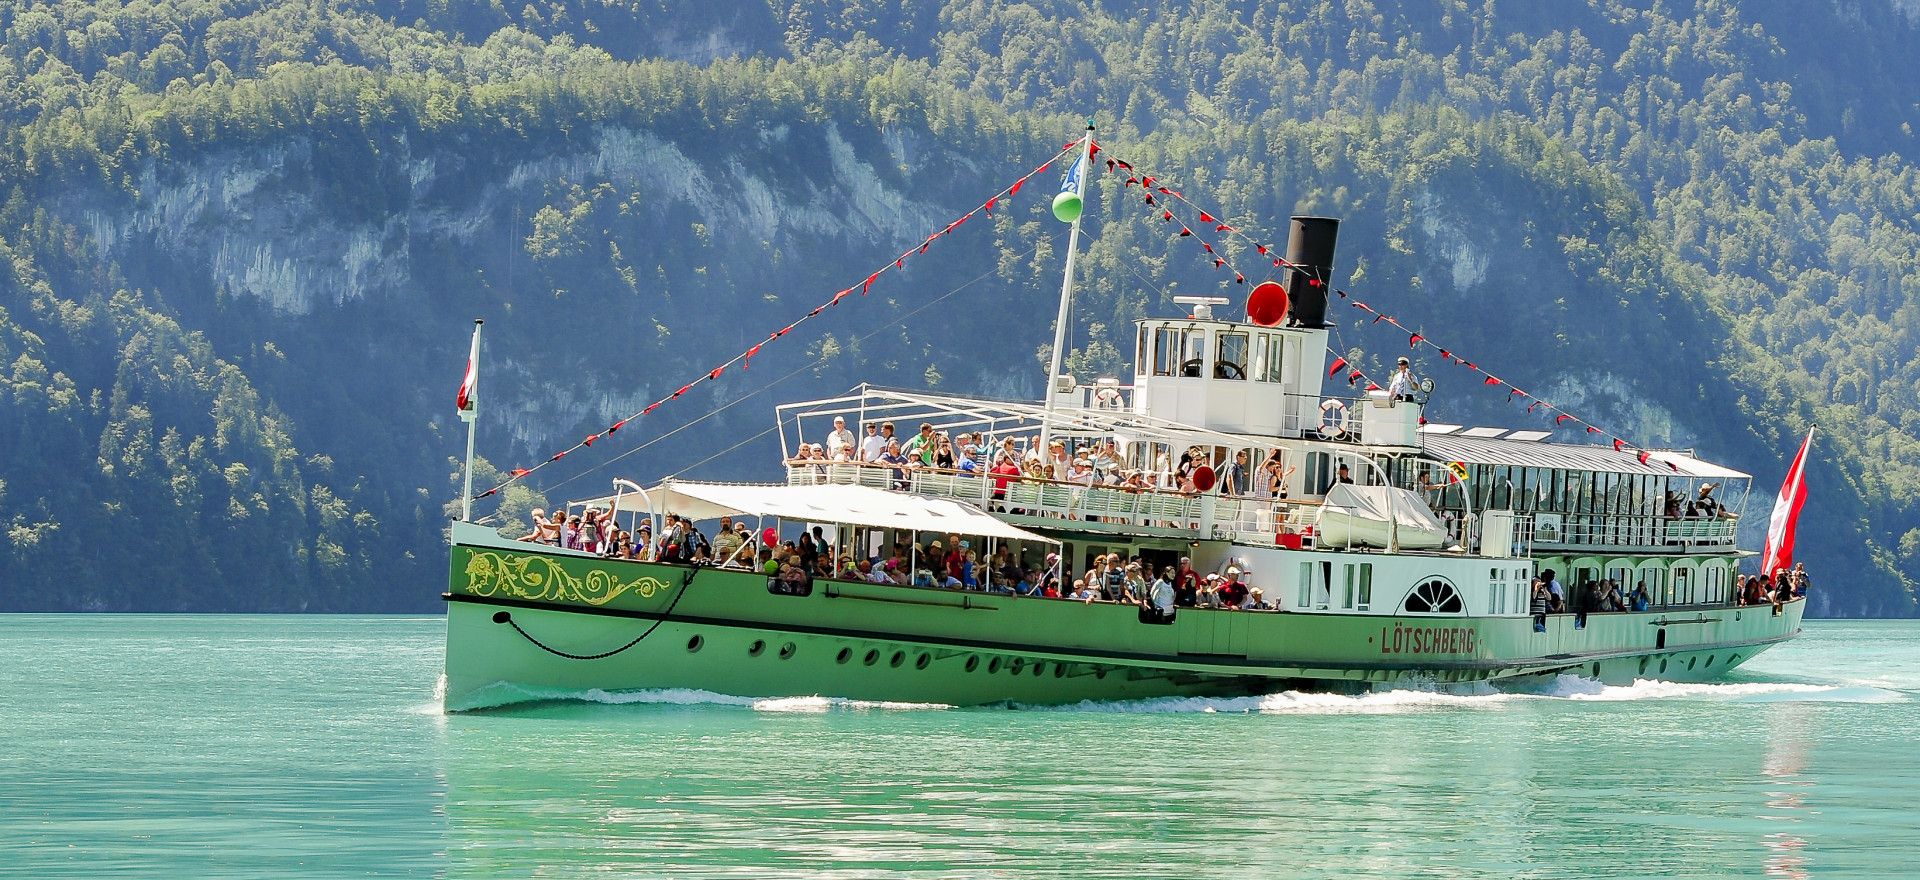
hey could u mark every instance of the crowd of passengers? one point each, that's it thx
(1606, 595)
(1099, 464)
(952, 563)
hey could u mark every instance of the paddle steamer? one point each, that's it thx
(1417, 570)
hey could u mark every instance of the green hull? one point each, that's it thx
(666, 626)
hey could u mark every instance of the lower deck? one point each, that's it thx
(531, 625)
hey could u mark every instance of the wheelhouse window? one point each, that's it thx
(1196, 355)
(1168, 343)
(1230, 361)
(1269, 356)
(1140, 364)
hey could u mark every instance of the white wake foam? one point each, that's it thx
(1422, 697)
(1403, 697)
(695, 697)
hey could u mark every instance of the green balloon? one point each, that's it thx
(1066, 207)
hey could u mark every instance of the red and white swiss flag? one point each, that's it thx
(1786, 515)
(470, 386)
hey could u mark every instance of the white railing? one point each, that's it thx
(1247, 520)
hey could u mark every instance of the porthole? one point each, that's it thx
(921, 661)
(1709, 661)
(695, 644)
(871, 658)
(1596, 670)
(757, 648)
(1059, 671)
(1100, 673)
(786, 651)
(1690, 662)
(1733, 659)
(1643, 665)
(1039, 666)
(993, 666)
(973, 662)
(899, 657)
(1018, 664)
(1663, 666)
(844, 655)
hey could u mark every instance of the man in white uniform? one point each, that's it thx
(1401, 386)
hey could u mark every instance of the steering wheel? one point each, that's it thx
(1228, 370)
(1191, 369)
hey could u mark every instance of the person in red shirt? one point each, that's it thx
(955, 561)
(1233, 593)
(1186, 585)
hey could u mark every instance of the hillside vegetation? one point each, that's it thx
(244, 241)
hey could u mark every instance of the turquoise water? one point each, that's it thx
(314, 747)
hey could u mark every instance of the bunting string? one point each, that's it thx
(745, 358)
(1152, 185)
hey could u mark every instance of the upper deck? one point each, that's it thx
(1520, 496)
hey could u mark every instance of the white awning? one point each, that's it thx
(832, 503)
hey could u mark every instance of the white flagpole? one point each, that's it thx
(1085, 169)
(469, 415)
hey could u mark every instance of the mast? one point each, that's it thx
(1067, 206)
(469, 411)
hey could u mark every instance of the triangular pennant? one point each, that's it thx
(1150, 198)
(590, 439)
(1617, 443)
(1184, 232)
(1338, 362)
(616, 426)
(716, 373)
(1491, 381)
(650, 408)
(1561, 418)
(1263, 249)
(1239, 279)
(1206, 217)
(1592, 430)
(1642, 457)
(1207, 246)
(1224, 228)
(520, 472)
(1414, 340)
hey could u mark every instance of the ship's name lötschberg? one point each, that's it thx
(1402, 639)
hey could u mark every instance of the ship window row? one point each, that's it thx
(1182, 351)
(1544, 490)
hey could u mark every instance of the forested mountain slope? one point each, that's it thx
(245, 240)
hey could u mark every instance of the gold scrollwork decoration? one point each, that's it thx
(540, 579)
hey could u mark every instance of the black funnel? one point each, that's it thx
(1310, 242)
